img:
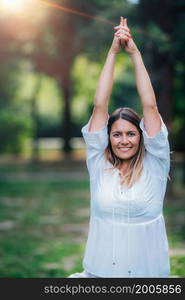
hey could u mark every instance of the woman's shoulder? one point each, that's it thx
(156, 166)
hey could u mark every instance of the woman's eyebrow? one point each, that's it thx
(117, 131)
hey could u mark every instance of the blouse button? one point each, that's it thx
(113, 263)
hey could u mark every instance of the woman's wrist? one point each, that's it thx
(112, 52)
(135, 54)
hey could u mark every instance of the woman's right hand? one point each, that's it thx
(116, 43)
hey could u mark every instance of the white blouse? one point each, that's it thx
(127, 235)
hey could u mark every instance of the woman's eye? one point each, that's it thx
(131, 133)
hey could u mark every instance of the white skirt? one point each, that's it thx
(83, 274)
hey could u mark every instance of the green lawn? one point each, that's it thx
(44, 213)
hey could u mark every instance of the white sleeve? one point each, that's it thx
(157, 156)
(96, 143)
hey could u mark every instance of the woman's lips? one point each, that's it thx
(124, 149)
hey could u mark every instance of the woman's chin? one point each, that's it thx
(124, 156)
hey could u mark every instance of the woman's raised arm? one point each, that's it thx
(144, 87)
(104, 87)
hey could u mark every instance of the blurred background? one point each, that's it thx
(51, 55)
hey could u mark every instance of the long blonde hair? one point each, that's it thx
(136, 163)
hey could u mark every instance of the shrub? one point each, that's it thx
(15, 127)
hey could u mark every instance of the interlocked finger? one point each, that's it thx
(122, 27)
(123, 34)
(123, 31)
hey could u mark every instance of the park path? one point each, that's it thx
(54, 171)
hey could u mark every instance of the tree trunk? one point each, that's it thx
(161, 72)
(66, 123)
(165, 91)
(35, 118)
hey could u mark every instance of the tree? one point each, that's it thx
(14, 125)
(56, 48)
(161, 41)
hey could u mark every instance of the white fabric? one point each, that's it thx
(127, 235)
(83, 274)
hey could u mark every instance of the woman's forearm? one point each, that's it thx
(105, 82)
(143, 82)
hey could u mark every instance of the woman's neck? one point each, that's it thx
(124, 166)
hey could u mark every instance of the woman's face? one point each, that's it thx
(124, 139)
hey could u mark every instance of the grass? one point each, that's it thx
(44, 214)
(40, 224)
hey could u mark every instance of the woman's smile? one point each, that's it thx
(124, 149)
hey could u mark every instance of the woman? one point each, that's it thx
(128, 162)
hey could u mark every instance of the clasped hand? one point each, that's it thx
(123, 38)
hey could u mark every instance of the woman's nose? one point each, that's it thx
(124, 139)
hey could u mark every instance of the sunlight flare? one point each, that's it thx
(14, 5)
